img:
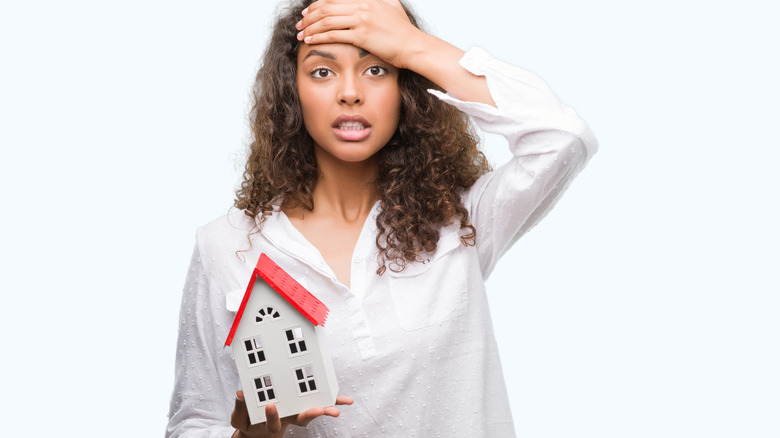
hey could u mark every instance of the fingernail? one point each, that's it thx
(307, 40)
(305, 11)
(299, 25)
(300, 35)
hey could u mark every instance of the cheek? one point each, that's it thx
(308, 106)
(395, 103)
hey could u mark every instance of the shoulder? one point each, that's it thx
(228, 233)
(226, 251)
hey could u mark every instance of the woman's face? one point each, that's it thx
(350, 100)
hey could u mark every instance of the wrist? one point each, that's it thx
(415, 49)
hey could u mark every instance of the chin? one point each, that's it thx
(352, 153)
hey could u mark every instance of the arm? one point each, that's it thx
(200, 404)
(549, 142)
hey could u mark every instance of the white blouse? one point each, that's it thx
(415, 349)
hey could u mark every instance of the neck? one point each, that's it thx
(344, 190)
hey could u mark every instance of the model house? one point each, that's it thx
(278, 344)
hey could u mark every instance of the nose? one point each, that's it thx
(350, 91)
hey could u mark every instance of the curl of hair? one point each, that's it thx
(423, 170)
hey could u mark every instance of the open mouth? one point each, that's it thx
(351, 128)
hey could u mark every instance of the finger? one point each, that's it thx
(239, 418)
(272, 421)
(344, 400)
(328, 24)
(305, 417)
(332, 411)
(328, 11)
(333, 36)
(319, 4)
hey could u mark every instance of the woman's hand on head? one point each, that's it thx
(380, 27)
(275, 426)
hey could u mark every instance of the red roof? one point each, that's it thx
(287, 287)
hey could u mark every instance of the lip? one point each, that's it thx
(351, 134)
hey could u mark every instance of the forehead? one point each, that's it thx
(334, 52)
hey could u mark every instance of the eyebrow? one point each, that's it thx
(314, 52)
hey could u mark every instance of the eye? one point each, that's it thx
(376, 70)
(321, 73)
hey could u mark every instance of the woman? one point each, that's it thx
(370, 191)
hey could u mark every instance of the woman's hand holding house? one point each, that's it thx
(274, 426)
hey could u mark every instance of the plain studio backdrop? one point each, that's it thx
(645, 305)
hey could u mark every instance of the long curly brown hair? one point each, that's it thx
(424, 168)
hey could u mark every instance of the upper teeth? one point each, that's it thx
(351, 125)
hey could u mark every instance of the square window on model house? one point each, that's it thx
(295, 341)
(254, 351)
(305, 378)
(264, 389)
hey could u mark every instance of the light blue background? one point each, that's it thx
(645, 305)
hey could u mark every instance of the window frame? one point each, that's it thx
(308, 381)
(254, 341)
(298, 344)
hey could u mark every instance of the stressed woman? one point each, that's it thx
(364, 181)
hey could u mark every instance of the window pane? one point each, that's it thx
(308, 371)
(258, 383)
(267, 380)
(258, 344)
(289, 335)
(302, 344)
(248, 345)
(302, 386)
(299, 374)
(260, 356)
(271, 395)
(262, 312)
(298, 333)
(293, 348)
(261, 395)
(252, 359)
(312, 386)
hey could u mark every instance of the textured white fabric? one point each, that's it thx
(415, 349)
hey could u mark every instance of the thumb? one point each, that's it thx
(239, 419)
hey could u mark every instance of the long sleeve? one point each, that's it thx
(202, 398)
(550, 144)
